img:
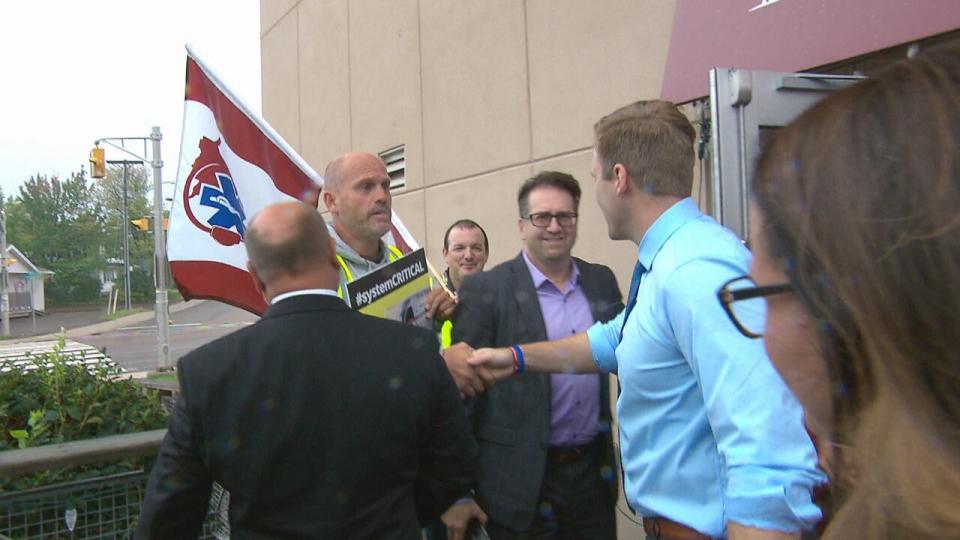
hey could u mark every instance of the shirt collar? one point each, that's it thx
(663, 228)
(539, 278)
(303, 292)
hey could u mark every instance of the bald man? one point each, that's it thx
(307, 444)
(356, 191)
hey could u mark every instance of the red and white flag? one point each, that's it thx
(232, 164)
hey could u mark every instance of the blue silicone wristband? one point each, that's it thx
(521, 365)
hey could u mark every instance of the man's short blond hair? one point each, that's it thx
(653, 141)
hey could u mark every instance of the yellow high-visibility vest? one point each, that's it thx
(393, 254)
(446, 334)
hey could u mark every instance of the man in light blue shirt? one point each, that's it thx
(712, 442)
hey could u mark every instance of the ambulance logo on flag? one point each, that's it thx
(210, 198)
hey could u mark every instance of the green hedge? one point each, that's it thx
(59, 402)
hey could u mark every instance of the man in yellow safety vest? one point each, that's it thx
(465, 250)
(356, 191)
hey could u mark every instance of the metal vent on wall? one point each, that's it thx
(395, 159)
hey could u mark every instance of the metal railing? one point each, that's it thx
(70, 454)
(98, 507)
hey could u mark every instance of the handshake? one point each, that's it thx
(476, 370)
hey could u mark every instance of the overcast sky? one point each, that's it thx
(76, 71)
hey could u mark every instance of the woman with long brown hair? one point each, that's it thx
(855, 227)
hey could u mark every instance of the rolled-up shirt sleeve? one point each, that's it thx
(604, 338)
(769, 461)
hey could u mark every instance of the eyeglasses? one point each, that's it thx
(543, 219)
(742, 299)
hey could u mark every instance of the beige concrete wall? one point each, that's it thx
(588, 58)
(324, 80)
(482, 94)
(476, 116)
(280, 74)
(385, 80)
(411, 206)
(477, 92)
(271, 11)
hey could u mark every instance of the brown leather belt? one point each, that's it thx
(664, 529)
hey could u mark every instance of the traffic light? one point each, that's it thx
(98, 165)
(143, 224)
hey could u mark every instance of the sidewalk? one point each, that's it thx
(106, 326)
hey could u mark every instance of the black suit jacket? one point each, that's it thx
(320, 422)
(498, 308)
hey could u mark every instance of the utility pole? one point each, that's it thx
(125, 231)
(126, 245)
(4, 295)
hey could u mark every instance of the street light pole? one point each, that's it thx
(160, 251)
(160, 256)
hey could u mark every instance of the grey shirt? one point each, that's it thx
(355, 264)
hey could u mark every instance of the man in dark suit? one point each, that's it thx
(320, 422)
(546, 451)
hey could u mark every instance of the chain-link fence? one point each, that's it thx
(103, 507)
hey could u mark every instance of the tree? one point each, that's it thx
(108, 193)
(58, 225)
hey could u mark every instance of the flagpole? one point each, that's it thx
(439, 278)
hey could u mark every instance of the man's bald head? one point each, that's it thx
(287, 239)
(348, 165)
(357, 194)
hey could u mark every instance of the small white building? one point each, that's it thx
(25, 283)
(111, 275)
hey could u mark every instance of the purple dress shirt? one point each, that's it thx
(574, 399)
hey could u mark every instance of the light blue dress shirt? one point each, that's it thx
(709, 432)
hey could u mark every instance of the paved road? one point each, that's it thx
(134, 347)
(54, 319)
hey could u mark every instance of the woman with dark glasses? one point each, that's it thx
(855, 227)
